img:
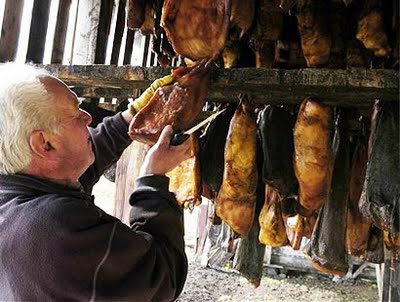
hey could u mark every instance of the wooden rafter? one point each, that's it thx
(332, 87)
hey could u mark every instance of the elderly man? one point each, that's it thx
(55, 244)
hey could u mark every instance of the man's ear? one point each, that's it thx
(40, 144)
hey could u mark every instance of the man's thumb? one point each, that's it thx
(165, 136)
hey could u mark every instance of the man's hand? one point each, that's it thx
(162, 158)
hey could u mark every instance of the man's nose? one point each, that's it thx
(87, 116)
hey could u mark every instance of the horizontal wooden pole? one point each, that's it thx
(351, 87)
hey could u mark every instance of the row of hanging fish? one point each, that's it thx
(303, 170)
(313, 185)
(291, 33)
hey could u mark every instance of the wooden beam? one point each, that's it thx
(275, 86)
(10, 30)
(38, 31)
(60, 33)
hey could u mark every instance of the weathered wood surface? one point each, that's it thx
(352, 87)
(60, 32)
(38, 31)
(10, 30)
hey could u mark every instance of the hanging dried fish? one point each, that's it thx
(148, 25)
(268, 28)
(136, 13)
(236, 200)
(185, 179)
(326, 248)
(176, 104)
(272, 227)
(212, 145)
(276, 134)
(312, 24)
(313, 159)
(371, 29)
(242, 16)
(358, 228)
(197, 29)
(380, 199)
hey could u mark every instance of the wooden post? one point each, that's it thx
(38, 31)
(10, 30)
(395, 281)
(86, 32)
(103, 31)
(130, 37)
(119, 32)
(60, 34)
(146, 50)
(379, 281)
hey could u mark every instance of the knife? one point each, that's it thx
(180, 137)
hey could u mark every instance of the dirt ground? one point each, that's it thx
(226, 285)
(206, 284)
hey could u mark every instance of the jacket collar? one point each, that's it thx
(22, 184)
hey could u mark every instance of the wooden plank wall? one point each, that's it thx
(10, 29)
(86, 32)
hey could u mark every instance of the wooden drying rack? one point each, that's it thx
(350, 87)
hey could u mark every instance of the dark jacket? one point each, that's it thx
(56, 245)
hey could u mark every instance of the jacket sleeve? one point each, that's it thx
(101, 259)
(109, 140)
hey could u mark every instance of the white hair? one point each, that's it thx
(25, 106)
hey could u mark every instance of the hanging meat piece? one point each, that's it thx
(298, 227)
(294, 230)
(231, 54)
(148, 25)
(312, 24)
(185, 179)
(272, 227)
(268, 27)
(356, 54)
(338, 27)
(371, 28)
(242, 15)
(276, 134)
(197, 29)
(380, 199)
(313, 159)
(392, 243)
(358, 227)
(326, 248)
(136, 13)
(175, 104)
(236, 199)
(212, 145)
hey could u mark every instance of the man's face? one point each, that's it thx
(72, 143)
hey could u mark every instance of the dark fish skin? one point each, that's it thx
(326, 248)
(380, 199)
(212, 145)
(275, 130)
